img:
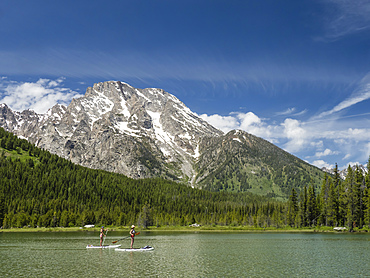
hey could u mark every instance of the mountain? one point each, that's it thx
(118, 128)
(145, 133)
(243, 162)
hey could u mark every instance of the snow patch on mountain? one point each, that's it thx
(125, 110)
(237, 139)
(124, 129)
(161, 135)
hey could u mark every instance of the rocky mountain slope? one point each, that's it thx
(146, 133)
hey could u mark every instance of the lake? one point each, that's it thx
(179, 254)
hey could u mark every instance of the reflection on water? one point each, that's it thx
(187, 255)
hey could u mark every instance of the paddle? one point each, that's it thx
(125, 237)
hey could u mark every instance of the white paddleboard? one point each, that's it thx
(146, 248)
(103, 247)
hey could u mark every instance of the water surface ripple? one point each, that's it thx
(187, 255)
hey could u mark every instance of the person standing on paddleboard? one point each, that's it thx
(132, 234)
(102, 235)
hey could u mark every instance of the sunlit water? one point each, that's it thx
(186, 255)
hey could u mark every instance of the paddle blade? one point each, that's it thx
(137, 233)
(115, 241)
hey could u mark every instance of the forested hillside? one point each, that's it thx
(41, 189)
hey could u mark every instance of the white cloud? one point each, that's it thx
(296, 135)
(248, 122)
(38, 96)
(321, 163)
(317, 144)
(225, 123)
(326, 152)
(342, 136)
(251, 123)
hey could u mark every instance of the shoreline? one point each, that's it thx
(186, 229)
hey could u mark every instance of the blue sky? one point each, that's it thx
(296, 73)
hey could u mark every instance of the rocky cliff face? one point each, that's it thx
(115, 127)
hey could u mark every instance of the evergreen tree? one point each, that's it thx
(144, 219)
(351, 198)
(311, 209)
(339, 207)
(324, 200)
(303, 208)
(2, 208)
(292, 208)
(360, 183)
(367, 196)
(332, 204)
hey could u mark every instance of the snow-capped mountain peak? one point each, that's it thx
(114, 114)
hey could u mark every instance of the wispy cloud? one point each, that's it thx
(291, 111)
(288, 111)
(38, 96)
(346, 17)
(360, 94)
(300, 113)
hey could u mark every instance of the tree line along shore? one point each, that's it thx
(187, 229)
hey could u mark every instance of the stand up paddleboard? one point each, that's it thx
(103, 247)
(146, 248)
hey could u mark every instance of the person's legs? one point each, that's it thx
(132, 242)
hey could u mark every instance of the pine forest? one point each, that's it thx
(40, 189)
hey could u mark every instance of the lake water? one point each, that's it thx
(186, 255)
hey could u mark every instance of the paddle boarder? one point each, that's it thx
(132, 235)
(102, 234)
